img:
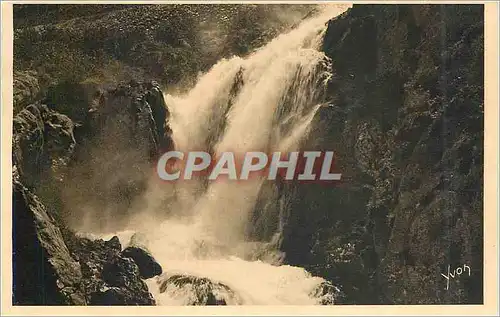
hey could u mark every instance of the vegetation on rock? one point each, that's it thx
(406, 122)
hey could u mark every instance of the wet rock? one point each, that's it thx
(142, 112)
(138, 251)
(92, 256)
(26, 89)
(117, 272)
(198, 291)
(160, 113)
(148, 267)
(127, 126)
(28, 142)
(108, 296)
(113, 243)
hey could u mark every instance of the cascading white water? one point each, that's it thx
(263, 102)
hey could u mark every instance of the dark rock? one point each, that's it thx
(108, 296)
(71, 98)
(27, 142)
(107, 276)
(126, 286)
(199, 291)
(148, 267)
(115, 296)
(43, 148)
(43, 142)
(160, 113)
(138, 251)
(92, 256)
(328, 294)
(141, 106)
(43, 270)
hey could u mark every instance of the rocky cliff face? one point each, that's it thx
(406, 122)
(52, 266)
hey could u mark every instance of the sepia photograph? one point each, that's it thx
(247, 154)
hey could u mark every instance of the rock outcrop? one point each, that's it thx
(43, 143)
(406, 123)
(196, 291)
(328, 294)
(137, 250)
(135, 113)
(26, 89)
(51, 265)
(148, 267)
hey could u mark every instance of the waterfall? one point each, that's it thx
(262, 102)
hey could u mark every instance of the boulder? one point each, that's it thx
(123, 134)
(109, 278)
(199, 291)
(148, 267)
(123, 285)
(134, 112)
(138, 251)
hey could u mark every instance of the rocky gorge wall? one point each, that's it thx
(406, 121)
